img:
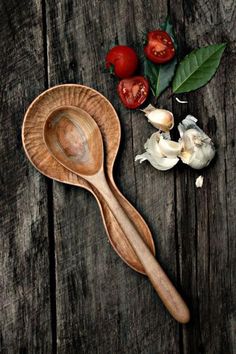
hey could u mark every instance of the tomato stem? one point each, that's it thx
(111, 69)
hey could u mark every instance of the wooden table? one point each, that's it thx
(63, 288)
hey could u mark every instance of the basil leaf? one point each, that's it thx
(197, 68)
(160, 76)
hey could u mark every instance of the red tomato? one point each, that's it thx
(160, 47)
(133, 92)
(124, 59)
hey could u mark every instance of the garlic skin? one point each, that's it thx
(155, 155)
(197, 148)
(180, 101)
(159, 118)
(199, 182)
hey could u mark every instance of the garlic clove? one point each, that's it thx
(197, 148)
(169, 148)
(165, 163)
(161, 119)
(160, 163)
(185, 156)
(200, 158)
(152, 145)
(155, 156)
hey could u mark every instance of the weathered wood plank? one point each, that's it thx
(102, 305)
(25, 321)
(155, 190)
(205, 222)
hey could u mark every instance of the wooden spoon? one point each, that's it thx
(104, 114)
(75, 141)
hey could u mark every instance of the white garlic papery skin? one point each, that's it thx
(159, 118)
(155, 155)
(180, 101)
(199, 182)
(197, 148)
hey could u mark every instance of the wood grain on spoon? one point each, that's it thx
(73, 123)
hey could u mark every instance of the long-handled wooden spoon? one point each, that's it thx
(101, 110)
(75, 141)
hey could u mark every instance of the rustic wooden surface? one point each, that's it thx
(63, 289)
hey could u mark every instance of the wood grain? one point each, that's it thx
(25, 320)
(203, 229)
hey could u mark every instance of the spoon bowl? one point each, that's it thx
(75, 140)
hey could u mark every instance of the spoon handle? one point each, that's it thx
(163, 286)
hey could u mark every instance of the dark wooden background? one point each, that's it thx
(62, 287)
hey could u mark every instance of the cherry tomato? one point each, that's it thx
(133, 92)
(124, 59)
(160, 47)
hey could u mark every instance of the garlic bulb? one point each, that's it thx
(197, 148)
(159, 118)
(194, 147)
(156, 156)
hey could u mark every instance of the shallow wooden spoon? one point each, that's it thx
(75, 141)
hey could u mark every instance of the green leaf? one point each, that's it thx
(168, 27)
(197, 68)
(150, 73)
(160, 76)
